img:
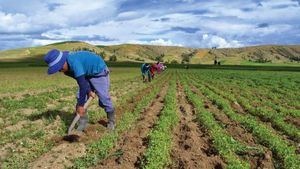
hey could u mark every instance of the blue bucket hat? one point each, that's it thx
(55, 60)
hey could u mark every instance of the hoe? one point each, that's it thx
(72, 137)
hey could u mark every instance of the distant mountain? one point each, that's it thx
(150, 53)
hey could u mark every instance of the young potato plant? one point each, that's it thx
(33, 139)
(280, 147)
(100, 149)
(264, 114)
(227, 146)
(277, 119)
(157, 154)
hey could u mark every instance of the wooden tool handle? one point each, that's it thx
(87, 103)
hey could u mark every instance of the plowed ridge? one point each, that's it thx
(192, 146)
(128, 152)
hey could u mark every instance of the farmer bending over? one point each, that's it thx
(153, 69)
(91, 74)
(145, 69)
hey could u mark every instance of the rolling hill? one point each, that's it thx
(171, 54)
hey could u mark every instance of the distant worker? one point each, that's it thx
(153, 69)
(91, 74)
(145, 69)
(159, 67)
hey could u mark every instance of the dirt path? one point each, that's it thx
(240, 134)
(129, 150)
(192, 146)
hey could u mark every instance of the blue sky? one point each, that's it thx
(190, 23)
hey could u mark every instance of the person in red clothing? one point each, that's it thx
(153, 69)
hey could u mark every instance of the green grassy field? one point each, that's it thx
(202, 117)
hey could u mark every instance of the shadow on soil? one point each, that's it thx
(65, 116)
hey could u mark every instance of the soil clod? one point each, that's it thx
(71, 138)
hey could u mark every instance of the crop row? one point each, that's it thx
(12, 112)
(226, 145)
(38, 137)
(280, 148)
(266, 84)
(262, 97)
(100, 149)
(276, 119)
(157, 154)
(33, 140)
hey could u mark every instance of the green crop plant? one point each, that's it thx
(100, 149)
(157, 154)
(280, 147)
(225, 144)
(276, 119)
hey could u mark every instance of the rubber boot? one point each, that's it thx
(82, 123)
(111, 120)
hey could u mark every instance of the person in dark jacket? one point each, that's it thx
(145, 69)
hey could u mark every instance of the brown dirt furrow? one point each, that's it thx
(233, 128)
(130, 148)
(192, 146)
(60, 156)
(5, 151)
(238, 108)
(293, 120)
(63, 152)
(66, 149)
(241, 110)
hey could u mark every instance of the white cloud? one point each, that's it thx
(68, 14)
(155, 42)
(129, 15)
(14, 22)
(38, 42)
(219, 23)
(164, 42)
(217, 41)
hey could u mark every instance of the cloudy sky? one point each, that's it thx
(191, 23)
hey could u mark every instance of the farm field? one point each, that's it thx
(195, 118)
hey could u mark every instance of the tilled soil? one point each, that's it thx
(60, 156)
(192, 146)
(129, 151)
(242, 110)
(66, 150)
(293, 120)
(257, 160)
(292, 141)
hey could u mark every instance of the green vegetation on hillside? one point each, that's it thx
(256, 55)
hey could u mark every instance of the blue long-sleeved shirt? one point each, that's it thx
(83, 65)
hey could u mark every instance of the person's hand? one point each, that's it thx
(80, 110)
(92, 94)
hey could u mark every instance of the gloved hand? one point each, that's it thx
(80, 110)
(92, 94)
